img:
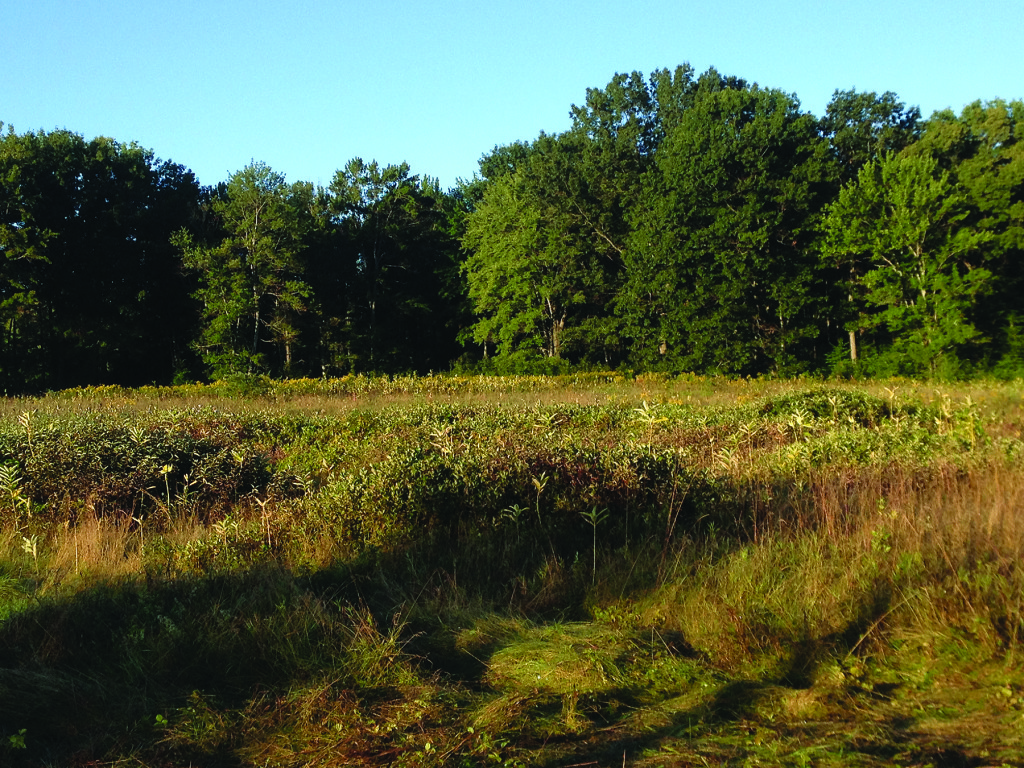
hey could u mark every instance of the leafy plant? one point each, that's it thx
(594, 518)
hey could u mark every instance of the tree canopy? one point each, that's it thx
(91, 289)
(683, 222)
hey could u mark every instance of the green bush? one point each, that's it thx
(132, 465)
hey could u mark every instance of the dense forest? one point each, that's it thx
(683, 223)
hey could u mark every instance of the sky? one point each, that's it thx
(306, 85)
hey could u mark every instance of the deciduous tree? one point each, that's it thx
(398, 232)
(252, 283)
(902, 224)
(90, 287)
(720, 268)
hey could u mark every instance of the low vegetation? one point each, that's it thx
(566, 571)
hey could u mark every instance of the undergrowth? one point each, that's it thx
(651, 572)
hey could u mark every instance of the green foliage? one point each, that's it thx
(123, 466)
(1011, 363)
(90, 289)
(252, 281)
(547, 237)
(719, 269)
(246, 385)
(982, 150)
(914, 270)
(404, 301)
(676, 226)
(864, 127)
(539, 276)
(838, 405)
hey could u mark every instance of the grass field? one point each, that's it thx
(591, 570)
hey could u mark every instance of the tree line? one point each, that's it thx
(684, 222)
(117, 267)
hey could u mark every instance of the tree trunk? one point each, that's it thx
(255, 334)
(853, 333)
(556, 337)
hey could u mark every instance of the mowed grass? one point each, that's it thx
(588, 570)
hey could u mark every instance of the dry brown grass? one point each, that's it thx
(872, 548)
(110, 548)
(96, 548)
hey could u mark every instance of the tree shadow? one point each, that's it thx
(90, 674)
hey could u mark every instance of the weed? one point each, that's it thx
(594, 517)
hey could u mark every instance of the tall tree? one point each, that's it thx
(523, 275)
(92, 290)
(252, 283)
(983, 151)
(399, 234)
(720, 268)
(863, 126)
(547, 242)
(902, 226)
(499, 162)
(23, 249)
(544, 247)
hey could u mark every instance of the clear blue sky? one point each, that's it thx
(306, 85)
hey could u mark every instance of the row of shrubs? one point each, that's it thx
(374, 477)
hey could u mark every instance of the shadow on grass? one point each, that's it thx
(118, 667)
(89, 676)
(744, 719)
(111, 670)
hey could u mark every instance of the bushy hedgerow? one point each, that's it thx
(131, 465)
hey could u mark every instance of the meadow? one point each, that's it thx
(588, 570)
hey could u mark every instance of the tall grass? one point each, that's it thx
(389, 571)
